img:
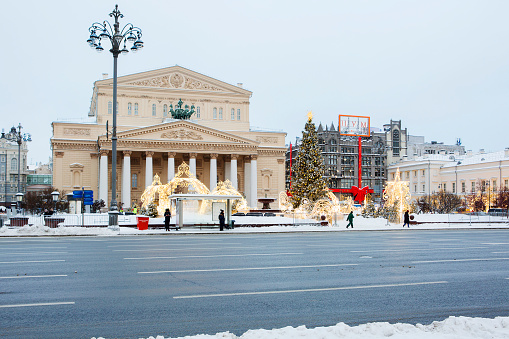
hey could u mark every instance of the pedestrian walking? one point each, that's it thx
(350, 219)
(167, 218)
(406, 219)
(221, 220)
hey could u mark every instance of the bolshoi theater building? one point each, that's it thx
(216, 141)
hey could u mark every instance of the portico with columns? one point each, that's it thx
(216, 142)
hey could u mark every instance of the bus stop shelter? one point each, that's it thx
(180, 198)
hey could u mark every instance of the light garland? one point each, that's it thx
(186, 182)
(397, 193)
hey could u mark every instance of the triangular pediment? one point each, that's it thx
(183, 130)
(175, 78)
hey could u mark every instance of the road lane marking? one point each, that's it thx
(29, 261)
(419, 249)
(495, 243)
(307, 290)
(173, 244)
(214, 256)
(457, 260)
(41, 247)
(247, 269)
(503, 252)
(35, 276)
(188, 249)
(26, 253)
(39, 304)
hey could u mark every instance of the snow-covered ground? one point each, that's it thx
(279, 224)
(453, 327)
(450, 328)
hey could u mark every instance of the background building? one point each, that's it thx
(9, 170)
(39, 178)
(454, 173)
(217, 142)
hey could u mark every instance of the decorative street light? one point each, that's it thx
(55, 195)
(19, 199)
(17, 137)
(117, 37)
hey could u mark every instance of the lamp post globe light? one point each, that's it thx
(55, 195)
(117, 37)
(19, 199)
(17, 137)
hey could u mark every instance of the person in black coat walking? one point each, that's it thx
(167, 218)
(221, 220)
(406, 219)
(350, 219)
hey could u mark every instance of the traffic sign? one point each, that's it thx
(77, 194)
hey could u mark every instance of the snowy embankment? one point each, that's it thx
(274, 225)
(452, 327)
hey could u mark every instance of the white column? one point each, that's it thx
(171, 165)
(103, 177)
(227, 172)
(126, 180)
(192, 163)
(254, 182)
(233, 171)
(213, 171)
(149, 174)
(247, 180)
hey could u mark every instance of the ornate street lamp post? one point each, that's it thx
(117, 38)
(55, 195)
(17, 137)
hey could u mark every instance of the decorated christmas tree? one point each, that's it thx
(308, 182)
(369, 209)
(151, 210)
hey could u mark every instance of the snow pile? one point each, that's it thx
(450, 328)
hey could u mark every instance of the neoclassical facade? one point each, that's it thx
(216, 141)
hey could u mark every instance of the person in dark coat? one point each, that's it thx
(221, 220)
(350, 219)
(167, 218)
(406, 219)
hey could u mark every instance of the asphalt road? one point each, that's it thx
(176, 285)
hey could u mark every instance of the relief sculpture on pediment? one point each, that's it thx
(196, 84)
(182, 134)
(163, 81)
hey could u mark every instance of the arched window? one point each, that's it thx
(129, 108)
(220, 113)
(110, 107)
(165, 110)
(136, 108)
(214, 113)
(233, 114)
(238, 113)
(14, 164)
(154, 111)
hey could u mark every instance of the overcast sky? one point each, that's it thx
(442, 67)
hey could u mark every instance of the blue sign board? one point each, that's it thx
(86, 195)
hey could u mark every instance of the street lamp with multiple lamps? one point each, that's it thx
(117, 37)
(17, 137)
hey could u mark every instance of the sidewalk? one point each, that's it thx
(427, 222)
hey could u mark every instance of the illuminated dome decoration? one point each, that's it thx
(186, 182)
